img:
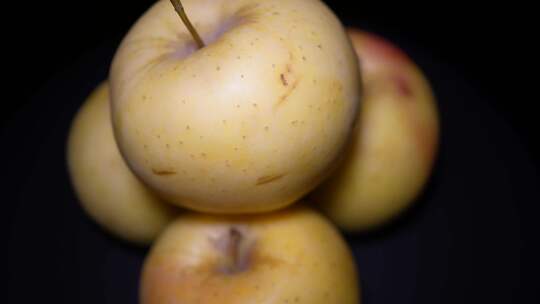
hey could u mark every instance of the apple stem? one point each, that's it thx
(179, 8)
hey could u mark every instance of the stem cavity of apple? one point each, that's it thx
(179, 8)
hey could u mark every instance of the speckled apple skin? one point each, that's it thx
(249, 123)
(107, 190)
(394, 145)
(296, 256)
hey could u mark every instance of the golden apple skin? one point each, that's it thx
(249, 123)
(105, 186)
(394, 144)
(289, 256)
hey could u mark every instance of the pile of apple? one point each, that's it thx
(208, 131)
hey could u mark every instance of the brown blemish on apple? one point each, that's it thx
(283, 79)
(291, 85)
(288, 71)
(163, 172)
(268, 179)
(403, 86)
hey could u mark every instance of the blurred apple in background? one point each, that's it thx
(249, 123)
(105, 186)
(392, 151)
(288, 256)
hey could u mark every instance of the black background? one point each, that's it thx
(485, 53)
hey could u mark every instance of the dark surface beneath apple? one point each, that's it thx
(468, 239)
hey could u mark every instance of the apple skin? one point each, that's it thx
(106, 188)
(293, 255)
(394, 145)
(251, 122)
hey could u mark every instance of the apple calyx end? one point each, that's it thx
(235, 251)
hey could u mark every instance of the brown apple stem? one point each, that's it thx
(179, 8)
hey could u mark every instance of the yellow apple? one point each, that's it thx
(105, 186)
(394, 144)
(289, 256)
(250, 122)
